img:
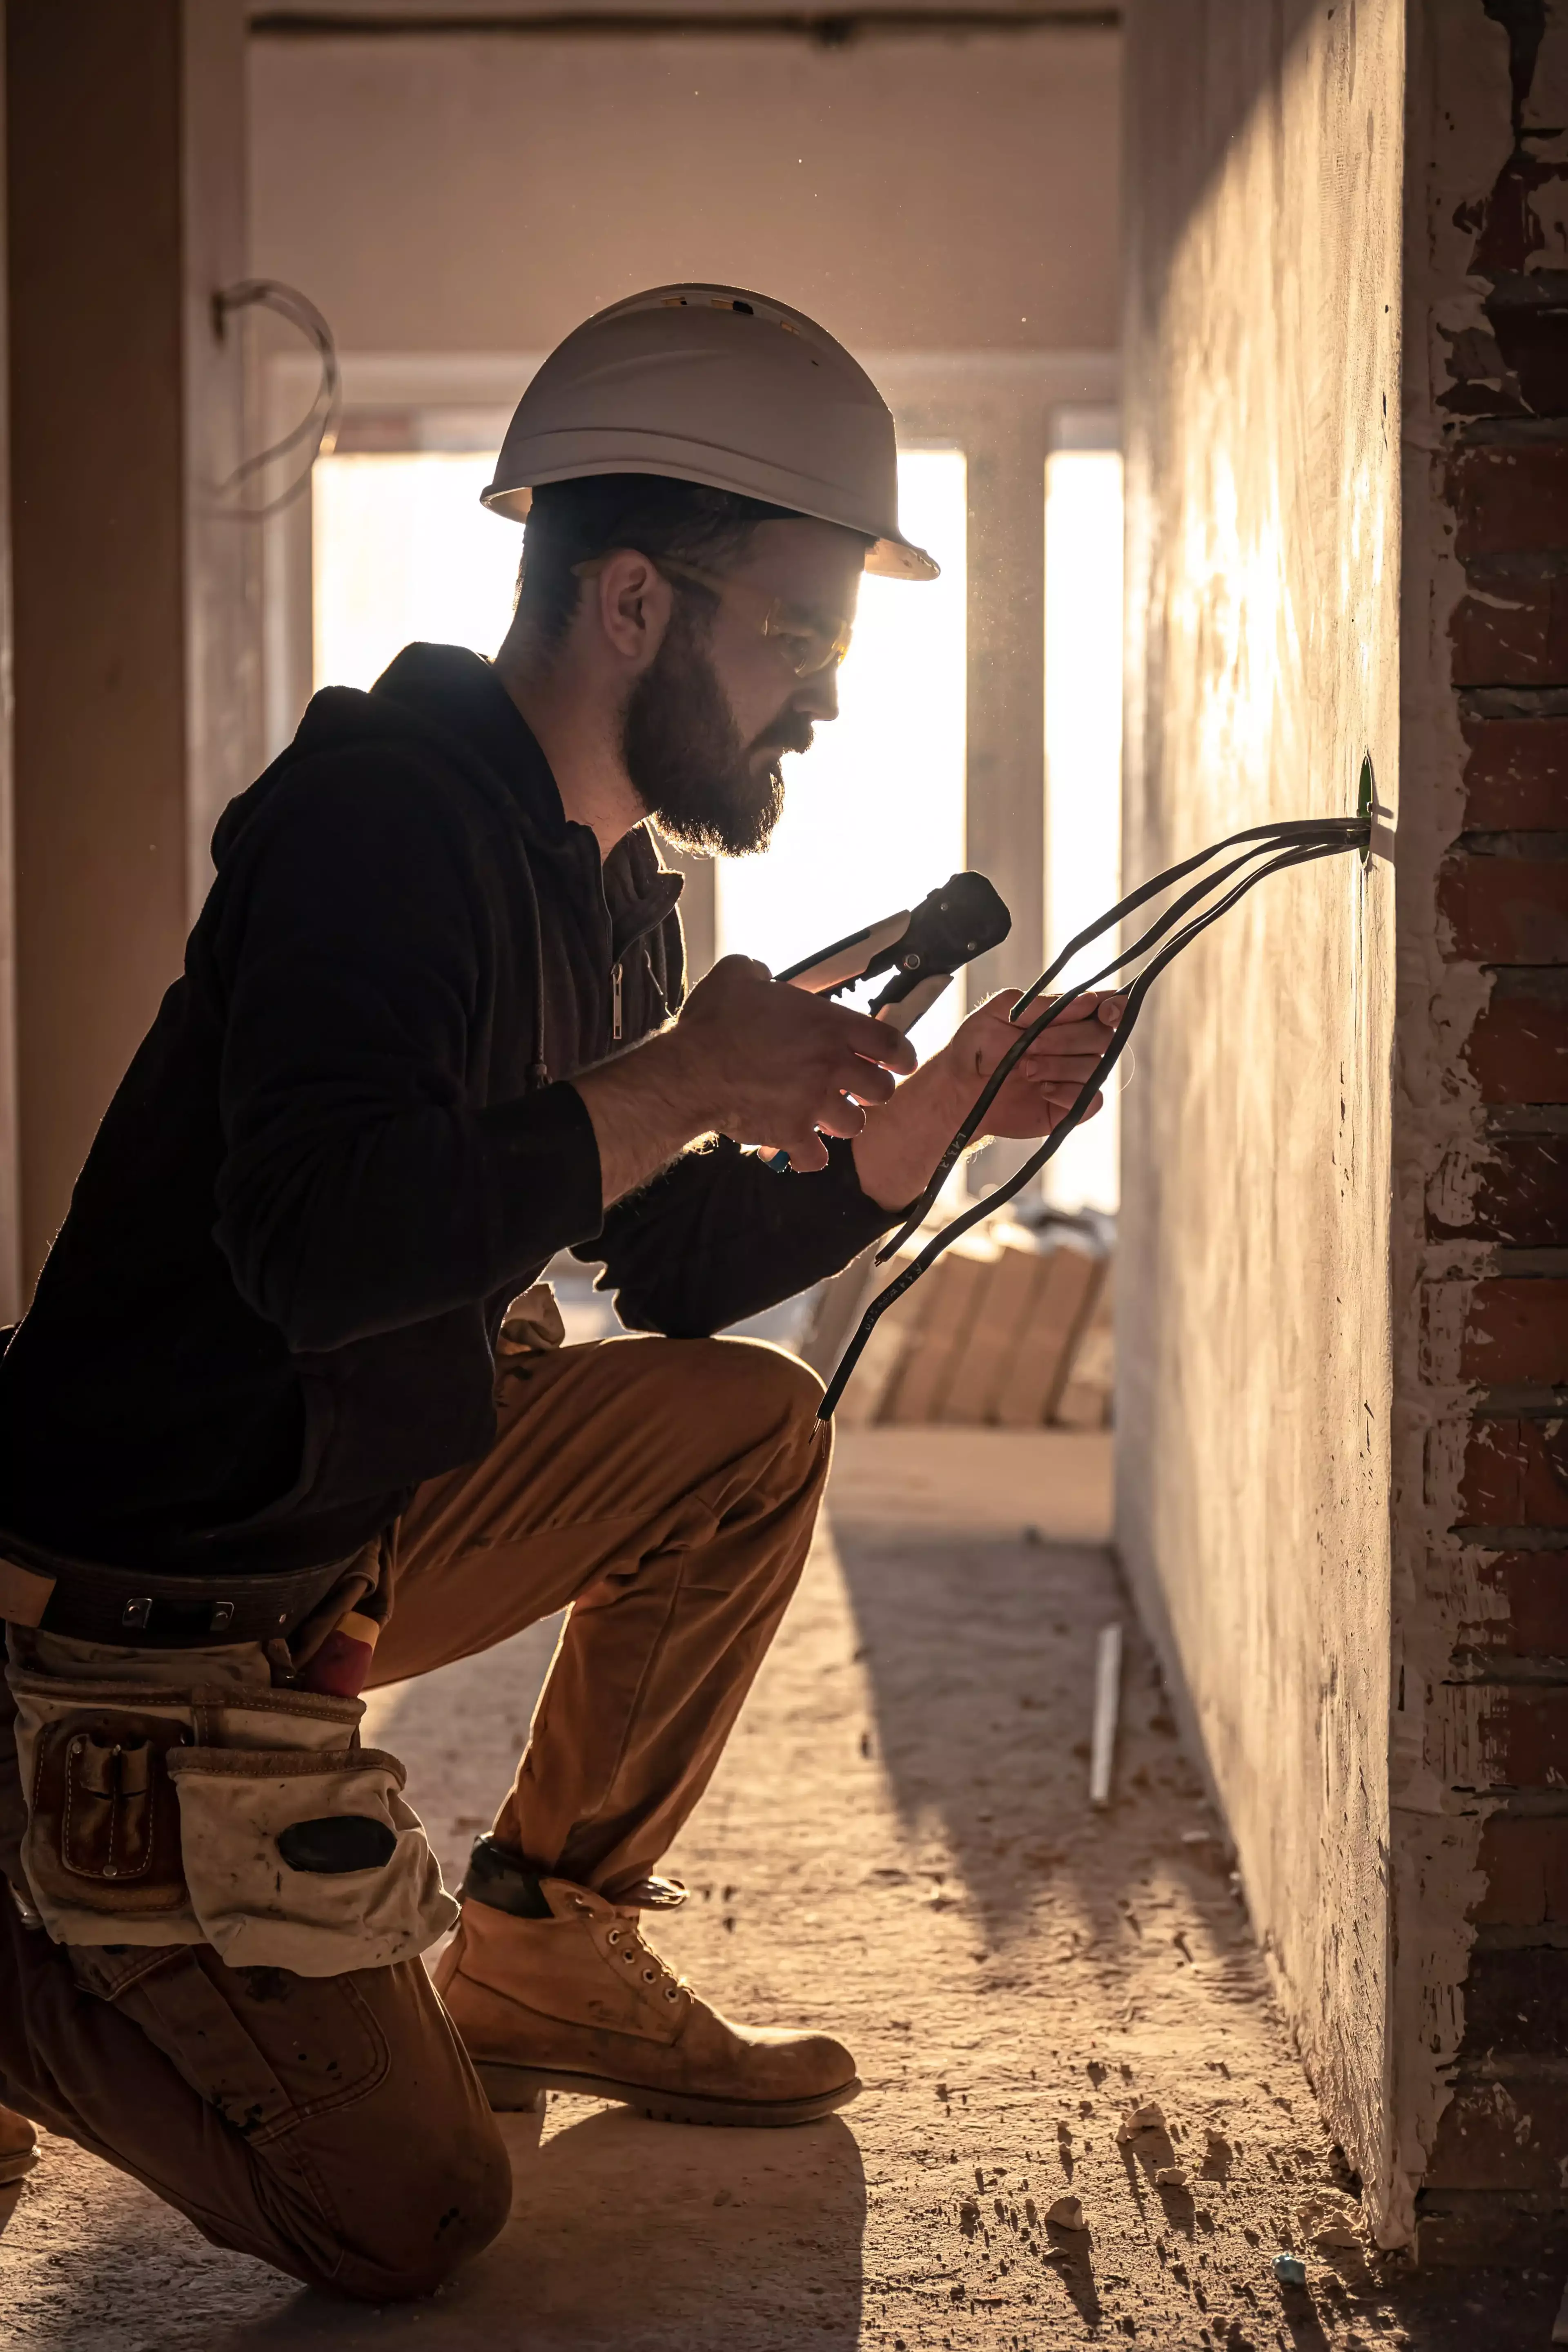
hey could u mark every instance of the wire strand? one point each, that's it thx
(1286, 829)
(319, 426)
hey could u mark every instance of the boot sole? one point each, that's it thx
(16, 2168)
(511, 2089)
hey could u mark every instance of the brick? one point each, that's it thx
(1505, 909)
(1526, 1868)
(1516, 1330)
(1523, 367)
(1490, 2229)
(1517, 1051)
(1496, 1736)
(1509, 501)
(1516, 774)
(1516, 2004)
(1500, 2136)
(1523, 1606)
(1522, 1737)
(1516, 1475)
(1511, 1189)
(1526, 316)
(1514, 632)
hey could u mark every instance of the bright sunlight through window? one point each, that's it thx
(873, 814)
(402, 550)
(1083, 758)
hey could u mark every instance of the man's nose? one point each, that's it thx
(818, 696)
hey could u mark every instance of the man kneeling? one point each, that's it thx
(284, 1419)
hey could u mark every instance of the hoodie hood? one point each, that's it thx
(448, 700)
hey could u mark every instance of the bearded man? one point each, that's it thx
(268, 1434)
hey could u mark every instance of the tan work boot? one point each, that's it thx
(18, 2147)
(579, 2001)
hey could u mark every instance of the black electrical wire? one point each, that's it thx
(319, 426)
(1279, 846)
(1340, 833)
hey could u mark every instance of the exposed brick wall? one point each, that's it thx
(1497, 1314)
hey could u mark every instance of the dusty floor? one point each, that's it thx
(899, 1845)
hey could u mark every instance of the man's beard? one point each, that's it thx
(704, 788)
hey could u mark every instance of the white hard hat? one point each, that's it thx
(706, 384)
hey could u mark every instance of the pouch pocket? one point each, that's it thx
(101, 1848)
(306, 1860)
(104, 1832)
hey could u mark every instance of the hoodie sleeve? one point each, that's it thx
(359, 1189)
(720, 1236)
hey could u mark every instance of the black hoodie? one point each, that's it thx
(272, 1308)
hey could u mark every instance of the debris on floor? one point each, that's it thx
(1149, 2117)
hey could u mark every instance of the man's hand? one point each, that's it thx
(904, 1139)
(751, 1057)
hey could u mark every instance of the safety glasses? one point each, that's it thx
(806, 642)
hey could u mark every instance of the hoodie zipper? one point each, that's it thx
(615, 1004)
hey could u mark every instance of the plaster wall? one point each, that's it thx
(466, 193)
(1264, 146)
(132, 686)
(221, 552)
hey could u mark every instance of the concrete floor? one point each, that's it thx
(899, 1845)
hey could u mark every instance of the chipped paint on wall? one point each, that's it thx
(1483, 294)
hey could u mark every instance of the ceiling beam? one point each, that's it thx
(828, 28)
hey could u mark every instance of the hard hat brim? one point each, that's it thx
(891, 556)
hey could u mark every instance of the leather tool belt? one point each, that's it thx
(90, 1602)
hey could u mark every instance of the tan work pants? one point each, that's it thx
(667, 1490)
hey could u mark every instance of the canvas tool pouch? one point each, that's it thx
(176, 1797)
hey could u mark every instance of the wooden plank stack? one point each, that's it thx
(1009, 1329)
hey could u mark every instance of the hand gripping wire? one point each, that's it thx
(1265, 849)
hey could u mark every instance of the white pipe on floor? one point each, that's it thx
(1107, 1698)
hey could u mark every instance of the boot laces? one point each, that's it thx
(634, 1951)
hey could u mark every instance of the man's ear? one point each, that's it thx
(634, 602)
